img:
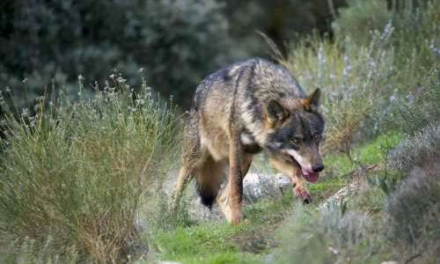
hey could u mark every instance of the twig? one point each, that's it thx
(413, 258)
(332, 9)
(273, 47)
(363, 168)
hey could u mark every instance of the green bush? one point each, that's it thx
(419, 150)
(76, 173)
(411, 24)
(331, 235)
(360, 19)
(420, 108)
(413, 209)
(176, 42)
(412, 214)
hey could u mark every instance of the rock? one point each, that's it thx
(344, 192)
(270, 258)
(200, 212)
(258, 186)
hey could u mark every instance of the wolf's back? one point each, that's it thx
(256, 79)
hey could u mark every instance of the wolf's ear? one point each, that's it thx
(312, 102)
(276, 112)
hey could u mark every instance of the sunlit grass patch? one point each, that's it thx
(213, 242)
(369, 154)
(325, 188)
(219, 242)
(223, 258)
(196, 240)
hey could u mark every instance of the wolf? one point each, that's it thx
(239, 111)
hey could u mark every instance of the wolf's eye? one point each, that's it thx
(295, 141)
(316, 137)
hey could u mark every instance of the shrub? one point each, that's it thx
(413, 26)
(75, 174)
(420, 108)
(360, 19)
(413, 210)
(412, 214)
(419, 150)
(332, 235)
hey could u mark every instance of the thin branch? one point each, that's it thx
(332, 9)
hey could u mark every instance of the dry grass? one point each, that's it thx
(77, 172)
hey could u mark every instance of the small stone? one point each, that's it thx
(257, 186)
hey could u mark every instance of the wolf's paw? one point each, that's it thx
(302, 193)
(235, 217)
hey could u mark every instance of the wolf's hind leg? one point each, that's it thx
(185, 175)
(210, 175)
(191, 156)
(246, 163)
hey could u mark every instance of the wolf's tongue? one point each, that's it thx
(310, 176)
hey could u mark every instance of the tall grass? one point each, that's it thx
(379, 59)
(353, 78)
(73, 176)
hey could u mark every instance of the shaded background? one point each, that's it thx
(49, 43)
(46, 44)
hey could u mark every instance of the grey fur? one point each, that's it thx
(239, 111)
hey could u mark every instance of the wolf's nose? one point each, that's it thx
(318, 168)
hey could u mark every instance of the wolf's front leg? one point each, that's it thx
(229, 198)
(233, 194)
(300, 188)
(298, 182)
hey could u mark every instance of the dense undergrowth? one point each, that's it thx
(382, 81)
(74, 175)
(80, 181)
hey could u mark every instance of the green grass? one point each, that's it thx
(325, 188)
(372, 153)
(197, 240)
(203, 243)
(339, 169)
(223, 258)
(219, 242)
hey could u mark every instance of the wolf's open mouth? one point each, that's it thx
(309, 175)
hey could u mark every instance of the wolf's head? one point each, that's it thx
(295, 133)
